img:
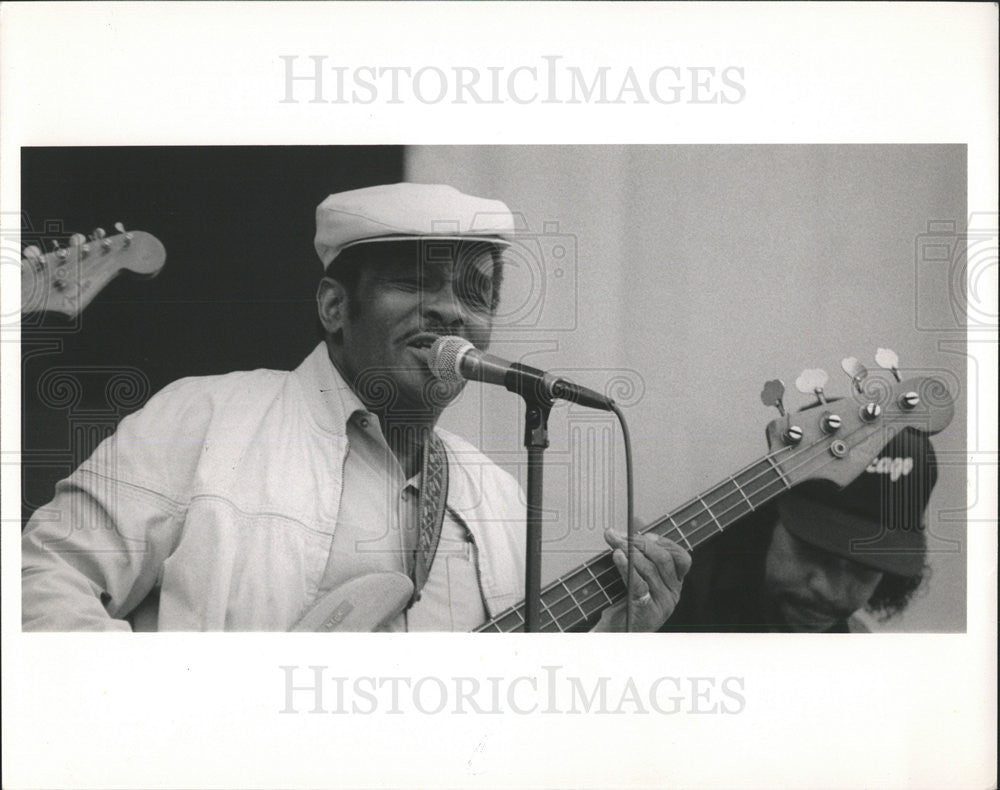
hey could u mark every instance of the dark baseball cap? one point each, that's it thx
(878, 520)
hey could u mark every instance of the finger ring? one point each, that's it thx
(643, 599)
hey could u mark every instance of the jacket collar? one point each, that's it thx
(331, 402)
(328, 397)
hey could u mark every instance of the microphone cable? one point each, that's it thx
(630, 505)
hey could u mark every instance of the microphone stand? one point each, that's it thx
(453, 359)
(536, 439)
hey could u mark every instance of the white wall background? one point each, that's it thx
(693, 274)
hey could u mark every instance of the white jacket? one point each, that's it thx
(224, 492)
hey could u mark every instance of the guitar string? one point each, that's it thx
(616, 580)
(660, 522)
(604, 557)
(616, 577)
(698, 500)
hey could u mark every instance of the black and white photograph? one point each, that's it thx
(643, 273)
(699, 425)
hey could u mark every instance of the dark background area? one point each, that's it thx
(236, 291)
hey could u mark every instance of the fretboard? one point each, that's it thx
(576, 599)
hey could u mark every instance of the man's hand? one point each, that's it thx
(658, 569)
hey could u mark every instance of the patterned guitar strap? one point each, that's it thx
(433, 497)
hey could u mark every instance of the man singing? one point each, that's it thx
(247, 501)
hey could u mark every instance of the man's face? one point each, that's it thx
(399, 308)
(811, 588)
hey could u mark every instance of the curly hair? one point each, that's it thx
(894, 593)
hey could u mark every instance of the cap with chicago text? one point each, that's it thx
(407, 211)
(877, 520)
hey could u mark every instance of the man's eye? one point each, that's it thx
(475, 293)
(479, 301)
(474, 298)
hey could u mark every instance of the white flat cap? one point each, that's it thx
(396, 212)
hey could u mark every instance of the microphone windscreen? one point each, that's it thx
(444, 358)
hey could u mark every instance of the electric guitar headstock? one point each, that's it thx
(836, 438)
(66, 279)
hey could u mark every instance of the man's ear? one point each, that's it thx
(331, 303)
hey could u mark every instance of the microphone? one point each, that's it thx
(453, 359)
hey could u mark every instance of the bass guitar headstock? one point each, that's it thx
(836, 438)
(66, 279)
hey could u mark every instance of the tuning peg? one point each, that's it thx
(855, 370)
(812, 380)
(886, 358)
(771, 395)
(33, 255)
(60, 251)
(80, 241)
(793, 435)
(121, 229)
(909, 400)
(101, 236)
(871, 412)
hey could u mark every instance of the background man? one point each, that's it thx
(820, 554)
(238, 501)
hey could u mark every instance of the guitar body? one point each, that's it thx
(364, 603)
